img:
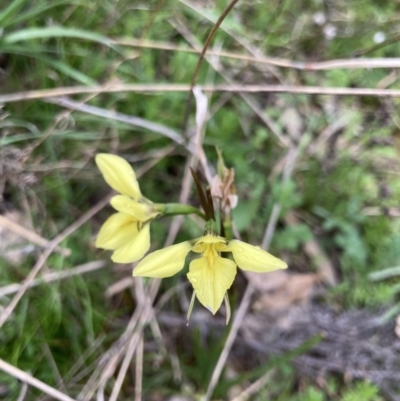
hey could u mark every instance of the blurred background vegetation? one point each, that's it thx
(338, 226)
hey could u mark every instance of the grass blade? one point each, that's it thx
(10, 10)
(56, 32)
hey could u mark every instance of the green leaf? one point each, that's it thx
(72, 72)
(56, 32)
(12, 15)
(291, 237)
(10, 11)
(385, 273)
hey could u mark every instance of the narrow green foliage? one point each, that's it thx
(54, 32)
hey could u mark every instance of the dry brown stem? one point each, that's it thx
(355, 63)
(27, 378)
(29, 235)
(159, 88)
(50, 276)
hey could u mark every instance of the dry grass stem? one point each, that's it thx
(128, 351)
(209, 39)
(48, 277)
(164, 298)
(368, 63)
(26, 284)
(27, 378)
(71, 375)
(270, 229)
(119, 286)
(44, 256)
(23, 392)
(30, 235)
(319, 146)
(139, 370)
(201, 114)
(147, 313)
(187, 180)
(108, 363)
(52, 363)
(142, 297)
(379, 211)
(202, 54)
(151, 163)
(112, 115)
(254, 388)
(159, 88)
(269, 123)
(62, 116)
(237, 322)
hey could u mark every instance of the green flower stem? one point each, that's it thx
(227, 222)
(172, 209)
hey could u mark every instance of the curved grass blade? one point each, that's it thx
(57, 32)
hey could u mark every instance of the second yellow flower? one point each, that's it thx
(126, 232)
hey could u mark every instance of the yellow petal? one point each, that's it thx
(134, 249)
(249, 257)
(117, 231)
(126, 205)
(118, 174)
(165, 262)
(211, 278)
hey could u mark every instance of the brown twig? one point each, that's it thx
(29, 235)
(23, 392)
(201, 57)
(237, 88)
(108, 363)
(112, 115)
(54, 276)
(355, 63)
(237, 322)
(381, 211)
(27, 378)
(209, 39)
(254, 388)
(72, 376)
(183, 197)
(139, 370)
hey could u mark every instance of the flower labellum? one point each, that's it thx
(126, 232)
(210, 275)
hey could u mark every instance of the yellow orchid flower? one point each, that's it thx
(210, 275)
(126, 232)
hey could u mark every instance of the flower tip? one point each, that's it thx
(210, 309)
(108, 161)
(118, 174)
(102, 158)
